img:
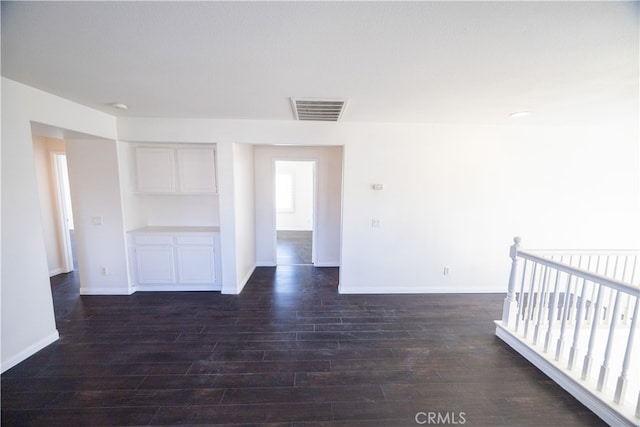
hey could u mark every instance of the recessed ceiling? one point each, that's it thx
(437, 62)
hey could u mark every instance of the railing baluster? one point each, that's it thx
(567, 305)
(628, 304)
(541, 305)
(521, 296)
(621, 386)
(629, 269)
(530, 300)
(593, 292)
(572, 302)
(554, 301)
(608, 308)
(588, 358)
(573, 352)
(606, 313)
(615, 268)
(604, 369)
(510, 308)
(625, 314)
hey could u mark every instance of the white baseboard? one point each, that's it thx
(56, 271)
(29, 351)
(326, 264)
(176, 287)
(588, 398)
(107, 291)
(413, 290)
(245, 279)
(266, 264)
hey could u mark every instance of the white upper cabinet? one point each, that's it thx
(176, 170)
(156, 170)
(196, 172)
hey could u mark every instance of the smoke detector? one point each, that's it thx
(318, 109)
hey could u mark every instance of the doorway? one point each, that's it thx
(295, 206)
(52, 183)
(65, 211)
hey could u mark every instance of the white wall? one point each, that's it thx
(135, 213)
(28, 322)
(42, 150)
(95, 195)
(245, 233)
(225, 157)
(329, 182)
(180, 210)
(300, 218)
(453, 196)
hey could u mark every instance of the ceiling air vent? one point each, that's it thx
(326, 110)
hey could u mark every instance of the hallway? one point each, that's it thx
(289, 351)
(294, 247)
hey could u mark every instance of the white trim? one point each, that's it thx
(591, 400)
(146, 287)
(56, 271)
(266, 264)
(314, 200)
(315, 207)
(245, 279)
(30, 351)
(315, 264)
(326, 264)
(394, 289)
(61, 207)
(107, 291)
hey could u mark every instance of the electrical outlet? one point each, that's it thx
(375, 223)
(105, 271)
(446, 271)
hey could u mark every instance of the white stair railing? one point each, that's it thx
(586, 302)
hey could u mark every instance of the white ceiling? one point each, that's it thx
(453, 62)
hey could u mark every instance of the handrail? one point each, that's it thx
(585, 251)
(593, 277)
(561, 302)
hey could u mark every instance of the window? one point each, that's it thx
(284, 192)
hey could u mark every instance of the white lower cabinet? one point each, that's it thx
(196, 264)
(174, 261)
(155, 264)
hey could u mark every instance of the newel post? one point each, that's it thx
(510, 307)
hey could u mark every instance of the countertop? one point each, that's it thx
(176, 229)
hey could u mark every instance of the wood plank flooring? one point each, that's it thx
(289, 351)
(294, 247)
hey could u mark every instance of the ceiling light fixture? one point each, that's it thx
(119, 106)
(517, 114)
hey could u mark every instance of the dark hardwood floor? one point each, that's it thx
(288, 351)
(294, 247)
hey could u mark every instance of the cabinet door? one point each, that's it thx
(155, 264)
(196, 170)
(156, 170)
(196, 264)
